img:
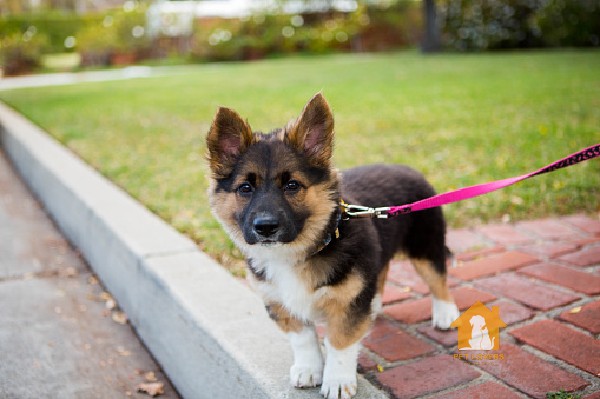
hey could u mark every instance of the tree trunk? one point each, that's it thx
(431, 38)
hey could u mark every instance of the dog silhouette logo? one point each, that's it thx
(479, 328)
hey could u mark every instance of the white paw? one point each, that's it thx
(444, 313)
(339, 388)
(339, 377)
(307, 370)
(306, 376)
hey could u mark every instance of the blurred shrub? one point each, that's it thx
(570, 22)
(96, 42)
(118, 38)
(99, 37)
(398, 25)
(371, 28)
(217, 40)
(56, 26)
(497, 24)
(483, 24)
(21, 53)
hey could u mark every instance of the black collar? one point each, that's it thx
(332, 230)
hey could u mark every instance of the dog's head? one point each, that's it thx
(477, 322)
(276, 189)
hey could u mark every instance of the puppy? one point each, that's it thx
(480, 338)
(279, 198)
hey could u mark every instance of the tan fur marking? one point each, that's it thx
(342, 334)
(320, 213)
(342, 329)
(313, 272)
(286, 322)
(224, 206)
(437, 283)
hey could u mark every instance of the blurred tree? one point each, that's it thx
(431, 38)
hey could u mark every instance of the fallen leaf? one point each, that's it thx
(152, 388)
(92, 297)
(69, 272)
(110, 304)
(122, 351)
(119, 317)
(149, 376)
(105, 296)
(380, 368)
(576, 309)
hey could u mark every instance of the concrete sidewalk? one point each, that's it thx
(67, 78)
(58, 338)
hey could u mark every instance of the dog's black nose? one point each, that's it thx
(266, 226)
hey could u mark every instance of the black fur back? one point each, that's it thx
(420, 234)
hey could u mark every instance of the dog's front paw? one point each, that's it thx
(339, 377)
(339, 387)
(444, 313)
(302, 376)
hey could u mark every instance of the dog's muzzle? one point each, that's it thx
(266, 227)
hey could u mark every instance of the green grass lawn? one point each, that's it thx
(460, 119)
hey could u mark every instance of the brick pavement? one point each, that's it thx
(545, 277)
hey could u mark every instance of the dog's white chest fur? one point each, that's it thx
(284, 285)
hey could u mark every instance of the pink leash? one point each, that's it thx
(468, 192)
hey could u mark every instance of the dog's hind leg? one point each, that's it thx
(307, 370)
(444, 310)
(377, 303)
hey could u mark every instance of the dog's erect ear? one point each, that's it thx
(312, 132)
(228, 137)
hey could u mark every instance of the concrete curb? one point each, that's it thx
(208, 331)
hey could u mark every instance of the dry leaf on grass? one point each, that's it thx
(152, 388)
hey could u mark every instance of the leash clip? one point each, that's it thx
(359, 211)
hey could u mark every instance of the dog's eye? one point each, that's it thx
(245, 188)
(292, 186)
